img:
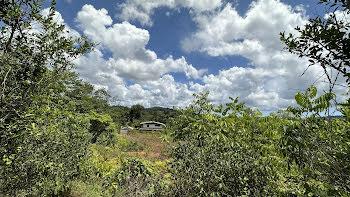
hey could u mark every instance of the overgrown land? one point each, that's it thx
(60, 137)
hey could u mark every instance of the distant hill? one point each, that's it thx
(158, 114)
(124, 116)
(152, 109)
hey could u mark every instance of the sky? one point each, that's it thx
(161, 52)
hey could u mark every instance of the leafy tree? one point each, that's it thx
(321, 153)
(101, 124)
(326, 42)
(158, 114)
(43, 139)
(93, 103)
(317, 146)
(86, 98)
(119, 114)
(135, 112)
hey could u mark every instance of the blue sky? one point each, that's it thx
(158, 52)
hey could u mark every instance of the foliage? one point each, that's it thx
(88, 189)
(86, 98)
(126, 145)
(42, 149)
(219, 153)
(134, 178)
(122, 175)
(138, 178)
(320, 146)
(158, 114)
(101, 124)
(119, 114)
(325, 41)
(135, 112)
(94, 103)
(311, 105)
(233, 151)
(43, 140)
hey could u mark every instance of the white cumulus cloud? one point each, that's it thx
(131, 72)
(142, 10)
(136, 75)
(275, 75)
(127, 43)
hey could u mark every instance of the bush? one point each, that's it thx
(220, 155)
(43, 139)
(42, 150)
(233, 151)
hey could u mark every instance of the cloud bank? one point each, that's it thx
(276, 74)
(136, 75)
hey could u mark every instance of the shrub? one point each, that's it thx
(42, 150)
(233, 151)
(43, 139)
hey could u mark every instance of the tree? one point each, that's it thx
(119, 114)
(325, 41)
(31, 61)
(43, 140)
(135, 112)
(85, 97)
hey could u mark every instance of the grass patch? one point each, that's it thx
(154, 148)
(113, 167)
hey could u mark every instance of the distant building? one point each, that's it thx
(151, 126)
(125, 130)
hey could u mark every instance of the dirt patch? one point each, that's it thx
(144, 154)
(155, 148)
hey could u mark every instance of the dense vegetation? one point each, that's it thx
(59, 135)
(233, 151)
